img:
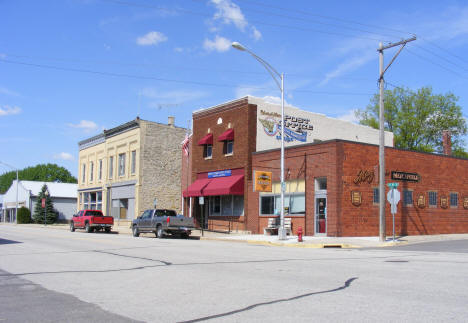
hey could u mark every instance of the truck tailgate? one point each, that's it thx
(181, 221)
(103, 220)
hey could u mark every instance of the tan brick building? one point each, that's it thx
(124, 169)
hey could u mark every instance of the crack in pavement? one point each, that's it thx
(250, 307)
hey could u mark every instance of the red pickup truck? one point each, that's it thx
(91, 220)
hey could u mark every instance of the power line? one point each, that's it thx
(237, 19)
(441, 57)
(434, 63)
(77, 70)
(327, 17)
(445, 50)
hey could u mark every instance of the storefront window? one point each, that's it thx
(432, 198)
(91, 200)
(226, 205)
(271, 204)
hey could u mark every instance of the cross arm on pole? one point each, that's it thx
(402, 43)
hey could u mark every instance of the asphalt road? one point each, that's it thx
(121, 278)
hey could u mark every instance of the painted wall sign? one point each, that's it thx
(262, 181)
(421, 201)
(465, 202)
(219, 173)
(356, 198)
(295, 128)
(364, 176)
(444, 202)
(408, 177)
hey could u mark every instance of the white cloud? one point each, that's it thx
(4, 90)
(229, 13)
(256, 34)
(7, 110)
(151, 38)
(349, 116)
(86, 125)
(64, 156)
(219, 44)
(348, 66)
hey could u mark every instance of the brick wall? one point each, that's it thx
(340, 162)
(160, 163)
(240, 116)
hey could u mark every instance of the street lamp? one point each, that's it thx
(46, 194)
(16, 207)
(279, 80)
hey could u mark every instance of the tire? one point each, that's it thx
(135, 231)
(72, 226)
(159, 232)
(107, 229)
(185, 235)
(88, 229)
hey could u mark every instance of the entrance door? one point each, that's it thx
(320, 214)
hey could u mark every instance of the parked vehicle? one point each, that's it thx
(162, 221)
(91, 220)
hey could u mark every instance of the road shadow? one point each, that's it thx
(6, 241)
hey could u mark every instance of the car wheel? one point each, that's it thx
(107, 229)
(135, 231)
(72, 227)
(88, 229)
(159, 232)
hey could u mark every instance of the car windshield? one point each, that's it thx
(95, 213)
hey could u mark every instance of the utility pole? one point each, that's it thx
(382, 232)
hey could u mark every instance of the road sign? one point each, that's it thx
(393, 197)
(392, 185)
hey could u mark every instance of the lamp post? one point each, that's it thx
(46, 194)
(279, 80)
(16, 207)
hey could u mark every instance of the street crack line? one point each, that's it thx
(250, 307)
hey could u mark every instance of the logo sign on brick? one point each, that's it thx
(444, 202)
(263, 181)
(407, 177)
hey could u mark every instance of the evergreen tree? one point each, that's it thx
(49, 213)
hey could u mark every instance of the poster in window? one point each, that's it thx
(465, 202)
(421, 201)
(356, 198)
(262, 182)
(444, 202)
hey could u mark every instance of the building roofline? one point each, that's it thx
(356, 143)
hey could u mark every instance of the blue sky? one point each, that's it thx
(71, 68)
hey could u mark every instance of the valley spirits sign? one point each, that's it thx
(407, 177)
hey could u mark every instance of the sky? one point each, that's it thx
(71, 68)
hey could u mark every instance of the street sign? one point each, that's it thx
(392, 185)
(201, 200)
(43, 202)
(393, 197)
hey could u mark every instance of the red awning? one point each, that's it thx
(207, 140)
(227, 135)
(229, 185)
(197, 187)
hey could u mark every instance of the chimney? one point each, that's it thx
(170, 121)
(447, 142)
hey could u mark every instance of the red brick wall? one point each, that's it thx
(437, 173)
(340, 162)
(242, 117)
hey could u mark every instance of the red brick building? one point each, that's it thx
(331, 185)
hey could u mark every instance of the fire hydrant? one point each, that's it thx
(299, 234)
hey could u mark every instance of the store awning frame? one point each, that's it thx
(228, 185)
(206, 140)
(227, 135)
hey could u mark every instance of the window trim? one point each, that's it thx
(450, 200)
(429, 199)
(412, 197)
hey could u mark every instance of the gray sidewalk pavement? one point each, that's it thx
(292, 241)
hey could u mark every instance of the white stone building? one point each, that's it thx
(63, 197)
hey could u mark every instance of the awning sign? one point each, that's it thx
(219, 173)
(262, 181)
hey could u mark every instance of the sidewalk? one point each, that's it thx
(308, 241)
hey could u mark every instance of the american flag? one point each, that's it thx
(185, 144)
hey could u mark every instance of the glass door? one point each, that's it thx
(320, 214)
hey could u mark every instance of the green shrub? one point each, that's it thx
(24, 215)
